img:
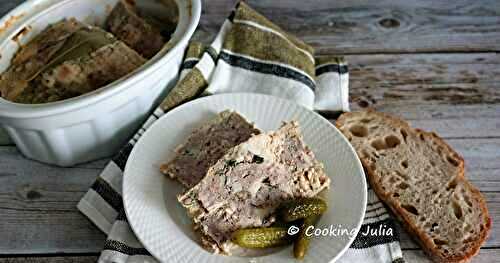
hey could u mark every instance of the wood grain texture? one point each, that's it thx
(385, 26)
(425, 79)
(362, 26)
(457, 95)
(38, 207)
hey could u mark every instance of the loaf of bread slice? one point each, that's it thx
(421, 179)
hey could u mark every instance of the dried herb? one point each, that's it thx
(257, 159)
(79, 44)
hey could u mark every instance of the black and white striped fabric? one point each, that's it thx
(249, 54)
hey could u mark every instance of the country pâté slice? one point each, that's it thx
(206, 145)
(128, 26)
(422, 181)
(89, 71)
(246, 185)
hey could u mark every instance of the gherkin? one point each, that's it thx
(301, 245)
(302, 208)
(264, 237)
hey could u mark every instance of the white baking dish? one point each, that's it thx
(96, 124)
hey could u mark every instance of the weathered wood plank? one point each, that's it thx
(482, 161)
(60, 259)
(41, 207)
(456, 95)
(362, 26)
(485, 255)
(383, 26)
(37, 207)
(425, 94)
(424, 79)
(424, 68)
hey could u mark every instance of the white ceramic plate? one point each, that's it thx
(162, 225)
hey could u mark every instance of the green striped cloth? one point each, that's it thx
(249, 54)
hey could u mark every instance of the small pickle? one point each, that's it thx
(302, 208)
(302, 242)
(264, 237)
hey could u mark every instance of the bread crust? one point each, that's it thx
(414, 231)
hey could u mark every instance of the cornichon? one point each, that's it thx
(262, 237)
(302, 208)
(302, 243)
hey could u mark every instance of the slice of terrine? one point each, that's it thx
(206, 145)
(90, 71)
(65, 60)
(126, 24)
(244, 188)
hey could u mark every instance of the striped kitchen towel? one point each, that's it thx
(249, 54)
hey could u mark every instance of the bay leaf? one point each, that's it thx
(79, 44)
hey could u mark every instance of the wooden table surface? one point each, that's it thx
(435, 63)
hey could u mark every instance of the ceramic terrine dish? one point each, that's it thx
(78, 77)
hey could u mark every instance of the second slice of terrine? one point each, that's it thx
(206, 145)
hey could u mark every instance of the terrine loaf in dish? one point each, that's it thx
(71, 58)
(126, 24)
(88, 72)
(422, 181)
(66, 60)
(206, 145)
(244, 188)
(32, 58)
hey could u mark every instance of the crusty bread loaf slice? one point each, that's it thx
(421, 179)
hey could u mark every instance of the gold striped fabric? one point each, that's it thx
(267, 46)
(251, 49)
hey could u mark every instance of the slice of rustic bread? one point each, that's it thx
(422, 181)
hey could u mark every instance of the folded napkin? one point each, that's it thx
(249, 54)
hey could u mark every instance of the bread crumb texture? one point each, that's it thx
(422, 181)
